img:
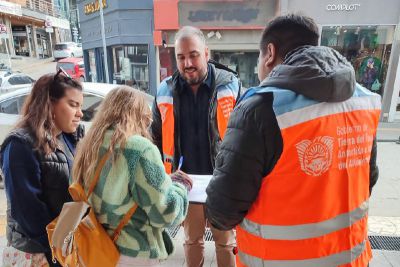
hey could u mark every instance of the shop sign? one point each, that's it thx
(57, 22)
(94, 7)
(10, 8)
(342, 7)
(218, 14)
(48, 23)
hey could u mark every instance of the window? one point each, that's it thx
(20, 79)
(131, 65)
(13, 105)
(244, 63)
(90, 105)
(92, 66)
(60, 46)
(368, 49)
(66, 66)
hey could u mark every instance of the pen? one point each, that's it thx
(180, 163)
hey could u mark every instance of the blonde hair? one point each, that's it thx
(126, 112)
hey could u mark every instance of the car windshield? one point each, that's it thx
(65, 65)
(20, 79)
(61, 46)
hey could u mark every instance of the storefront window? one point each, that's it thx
(42, 43)
(167, 62)
(131, 66)
(92, 66)
(366, 47)
(20, 39)
(244, 63)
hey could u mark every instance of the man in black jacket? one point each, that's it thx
(290, 146)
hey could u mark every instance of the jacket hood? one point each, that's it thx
(317, 72)
(222, 77)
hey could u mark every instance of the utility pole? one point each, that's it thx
(103, 36)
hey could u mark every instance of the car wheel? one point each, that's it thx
(81, 79)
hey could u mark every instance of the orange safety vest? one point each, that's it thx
(312, 208)
(226, 99)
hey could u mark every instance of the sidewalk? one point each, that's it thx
(389, 131)
(25, 64)
(381, 258)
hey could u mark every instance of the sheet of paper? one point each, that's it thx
(198, 192)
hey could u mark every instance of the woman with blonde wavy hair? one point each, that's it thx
(132, 174)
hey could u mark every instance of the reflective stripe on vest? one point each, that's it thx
(312, 208)
(226, 99)
(334, 260)
(303, 231)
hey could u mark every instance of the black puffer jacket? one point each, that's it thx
(253, 142)
(26, 229)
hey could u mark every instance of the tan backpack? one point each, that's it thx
(76, 237)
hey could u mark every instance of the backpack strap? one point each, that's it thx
(97, 173)
(124, 222)
(96, 177)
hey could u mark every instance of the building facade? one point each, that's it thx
(366, 36)
(27, 34)
(232, 30)
(356, 28)
(128, 28)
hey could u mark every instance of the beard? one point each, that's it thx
(194, 80)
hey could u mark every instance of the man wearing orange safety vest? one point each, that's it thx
(190, 116)
(298, 161)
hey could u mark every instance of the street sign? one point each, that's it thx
(49, 29)
(48, 23)
(3, 28)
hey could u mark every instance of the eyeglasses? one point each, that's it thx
(65, 74)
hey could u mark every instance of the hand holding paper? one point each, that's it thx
(182, 178)
(198, 192)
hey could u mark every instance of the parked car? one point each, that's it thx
(4, 69)
(14, 81)
(74, 67)
(11, 104)
(69, 49)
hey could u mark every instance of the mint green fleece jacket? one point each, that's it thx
(138, 176)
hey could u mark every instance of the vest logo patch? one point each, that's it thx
(315, 156)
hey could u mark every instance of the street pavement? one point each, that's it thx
(384, 215)
(32, 66)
